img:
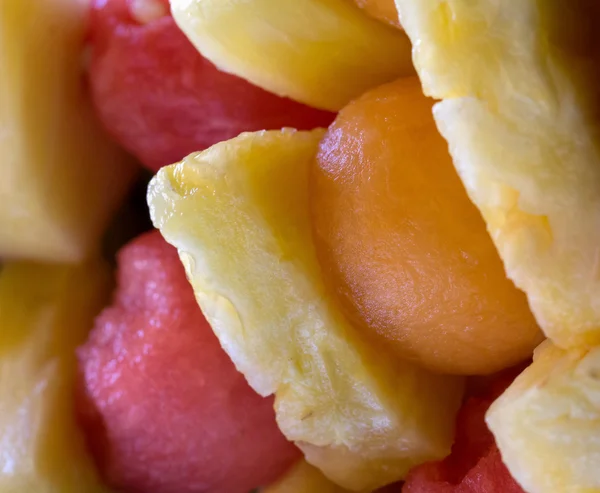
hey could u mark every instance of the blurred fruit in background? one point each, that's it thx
(161, 99)
(62, 178)
(384, 10)
(46, 312)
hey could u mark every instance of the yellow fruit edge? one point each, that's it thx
(522, 135)
(303, 478)
(323, 53)
(357, 413)
(46, 312)
(547, 423)
(519, 128)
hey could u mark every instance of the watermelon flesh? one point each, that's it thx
(165, 409)
(475, 464)
(160, 99)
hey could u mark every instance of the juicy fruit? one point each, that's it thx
(384, 10)
(61, 177)
(303, 478)
(139, 52)
(404, 247)
(475, 464)
(547, 423)
(166, 408)
(323, 53)
(238, 213)
(520, 114)
(46, 312)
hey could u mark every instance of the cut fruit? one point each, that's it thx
(547, 423)
(46, 312)
(386, 203)
(475, 464)
(238, 213)
(164, 407)
(134, 59)
(61, 176)
(323, 53)
(303, 478)
(520, 113)
(384, 10)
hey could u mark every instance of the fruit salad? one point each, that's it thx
(300, 246)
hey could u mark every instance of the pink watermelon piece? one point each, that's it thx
(475, 464)
(162, 100)
(165, 408)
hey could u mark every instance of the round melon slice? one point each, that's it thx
(239, 215)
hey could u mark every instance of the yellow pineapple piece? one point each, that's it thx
(384, 10)
(519, 112)
(61, 176)
(303, 478)
(45, 312)
(547, 423)
(239, 215)
(321, 52)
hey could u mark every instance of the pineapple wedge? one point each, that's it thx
(519, 111)
(303, 478)
(320, 52)
(547, 423)
(238, 214)
(61, 176)
(45, 312)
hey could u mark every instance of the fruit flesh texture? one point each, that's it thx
(359, 415)
(61, 176)
(402, 245)
(303, 478)
(161, 99)
(323, 53)
(475, 464)
(46, 312)
(384, 10)
(519, 82)
(547, 423)
(165, 406)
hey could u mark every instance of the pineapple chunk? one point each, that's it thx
(303, 478)
(547, 423)
(323, 53)
(46, 312)
(520, 116)
(239, 215)
(61, 176)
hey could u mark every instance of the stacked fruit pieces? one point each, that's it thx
(520, 116)
(347, 283)
(511, 131)
(148, 429)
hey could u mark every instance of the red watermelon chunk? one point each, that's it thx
(161, 99)
(166, 410)
(475, 464)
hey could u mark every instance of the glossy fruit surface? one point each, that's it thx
(239, 215)
(521, 115)
(323, 53)
(61, 177)
(166, 409)
(403, 246)
(161, 99)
